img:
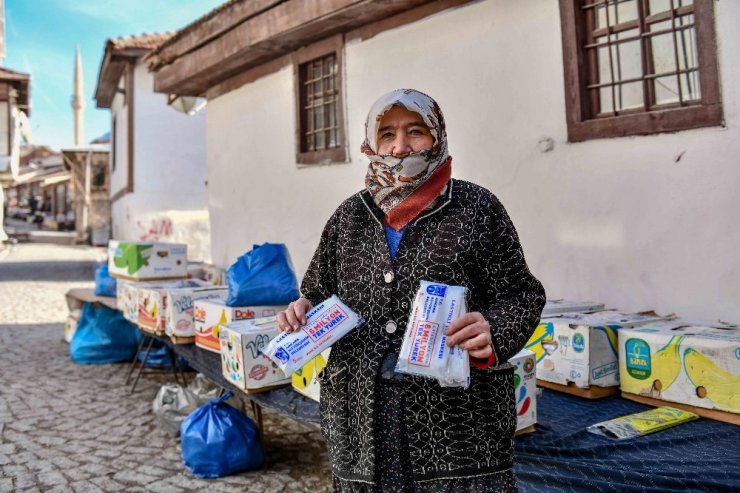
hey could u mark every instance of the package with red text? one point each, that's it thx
(424, 350)
(326, 323)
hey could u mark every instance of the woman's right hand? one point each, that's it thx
(294, 316)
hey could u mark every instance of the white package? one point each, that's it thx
(424, 350)
(326, 323)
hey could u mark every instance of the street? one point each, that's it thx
(66, 427)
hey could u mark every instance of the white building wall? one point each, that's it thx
(645, 222)
(169, 202)
(119, 175)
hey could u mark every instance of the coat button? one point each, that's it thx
(388, 277)
(390, 327)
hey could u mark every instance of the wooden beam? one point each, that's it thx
(202, 32)
(275, 32)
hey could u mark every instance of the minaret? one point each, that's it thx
(78, 103)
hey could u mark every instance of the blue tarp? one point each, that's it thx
(561, 456)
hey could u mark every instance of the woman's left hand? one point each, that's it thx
(471, 332)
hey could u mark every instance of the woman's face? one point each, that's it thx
(401, 132)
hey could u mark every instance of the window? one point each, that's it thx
(319, 112)
(639, 66)
(113, 142)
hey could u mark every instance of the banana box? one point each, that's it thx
(242, 360)
(679, 362)
(152, 302)
(208, 315)
(127, 300)
(179, 308)
(525, 388)
(555, 307)
(207, 272)
(145, 260)
(582, 348)
(306, 379)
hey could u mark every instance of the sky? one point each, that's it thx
(41, 36)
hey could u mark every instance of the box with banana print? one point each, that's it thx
(306, 379)
(582, 348)
(210, 314)
(681, 362)
(242, 360)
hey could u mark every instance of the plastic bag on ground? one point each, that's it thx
(262, 276)
(218, 440)
(204, 389)
(172, 405)
(103, 336)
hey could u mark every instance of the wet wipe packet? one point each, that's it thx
(642, 423)
(327, 322)
(424, 350)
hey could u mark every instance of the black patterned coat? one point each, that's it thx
(466, 239)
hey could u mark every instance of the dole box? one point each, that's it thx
(208, 315)
(242, 360)
(180, 305)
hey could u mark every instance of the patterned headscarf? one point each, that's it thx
(404, 186)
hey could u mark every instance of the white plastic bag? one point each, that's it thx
(424, 350)
(326, 323)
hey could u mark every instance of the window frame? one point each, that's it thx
(333, 45)
(582, 126)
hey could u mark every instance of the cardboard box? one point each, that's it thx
(142, 260)
(127, 299)
(555, 307)
(242, 361)
(525, 388)
(179, 309)
(209, 273)
(306, 380)
(582, 348)
(70, 325)
(679, 362)
(208, 315)
(152, 302)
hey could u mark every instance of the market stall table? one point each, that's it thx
(561, 456)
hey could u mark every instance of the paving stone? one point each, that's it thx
(86, 487)
(163, 487)
(6, 485)
(107, 484)
(51, 478)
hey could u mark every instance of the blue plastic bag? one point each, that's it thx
(103, 336)
(262, 276)
(218, 440)
(160, 356)
(105, 285)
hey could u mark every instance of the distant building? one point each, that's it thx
(157, 157)
(611, 136)
(89, 170)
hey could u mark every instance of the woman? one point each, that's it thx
(400, 433)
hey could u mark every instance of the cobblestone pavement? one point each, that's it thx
(72, 428)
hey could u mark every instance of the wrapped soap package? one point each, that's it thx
(424, 350)
(326, 323)
(642, 423)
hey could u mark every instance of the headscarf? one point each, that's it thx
(404, 186)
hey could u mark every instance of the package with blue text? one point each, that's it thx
(424, 350)
(326, 323)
